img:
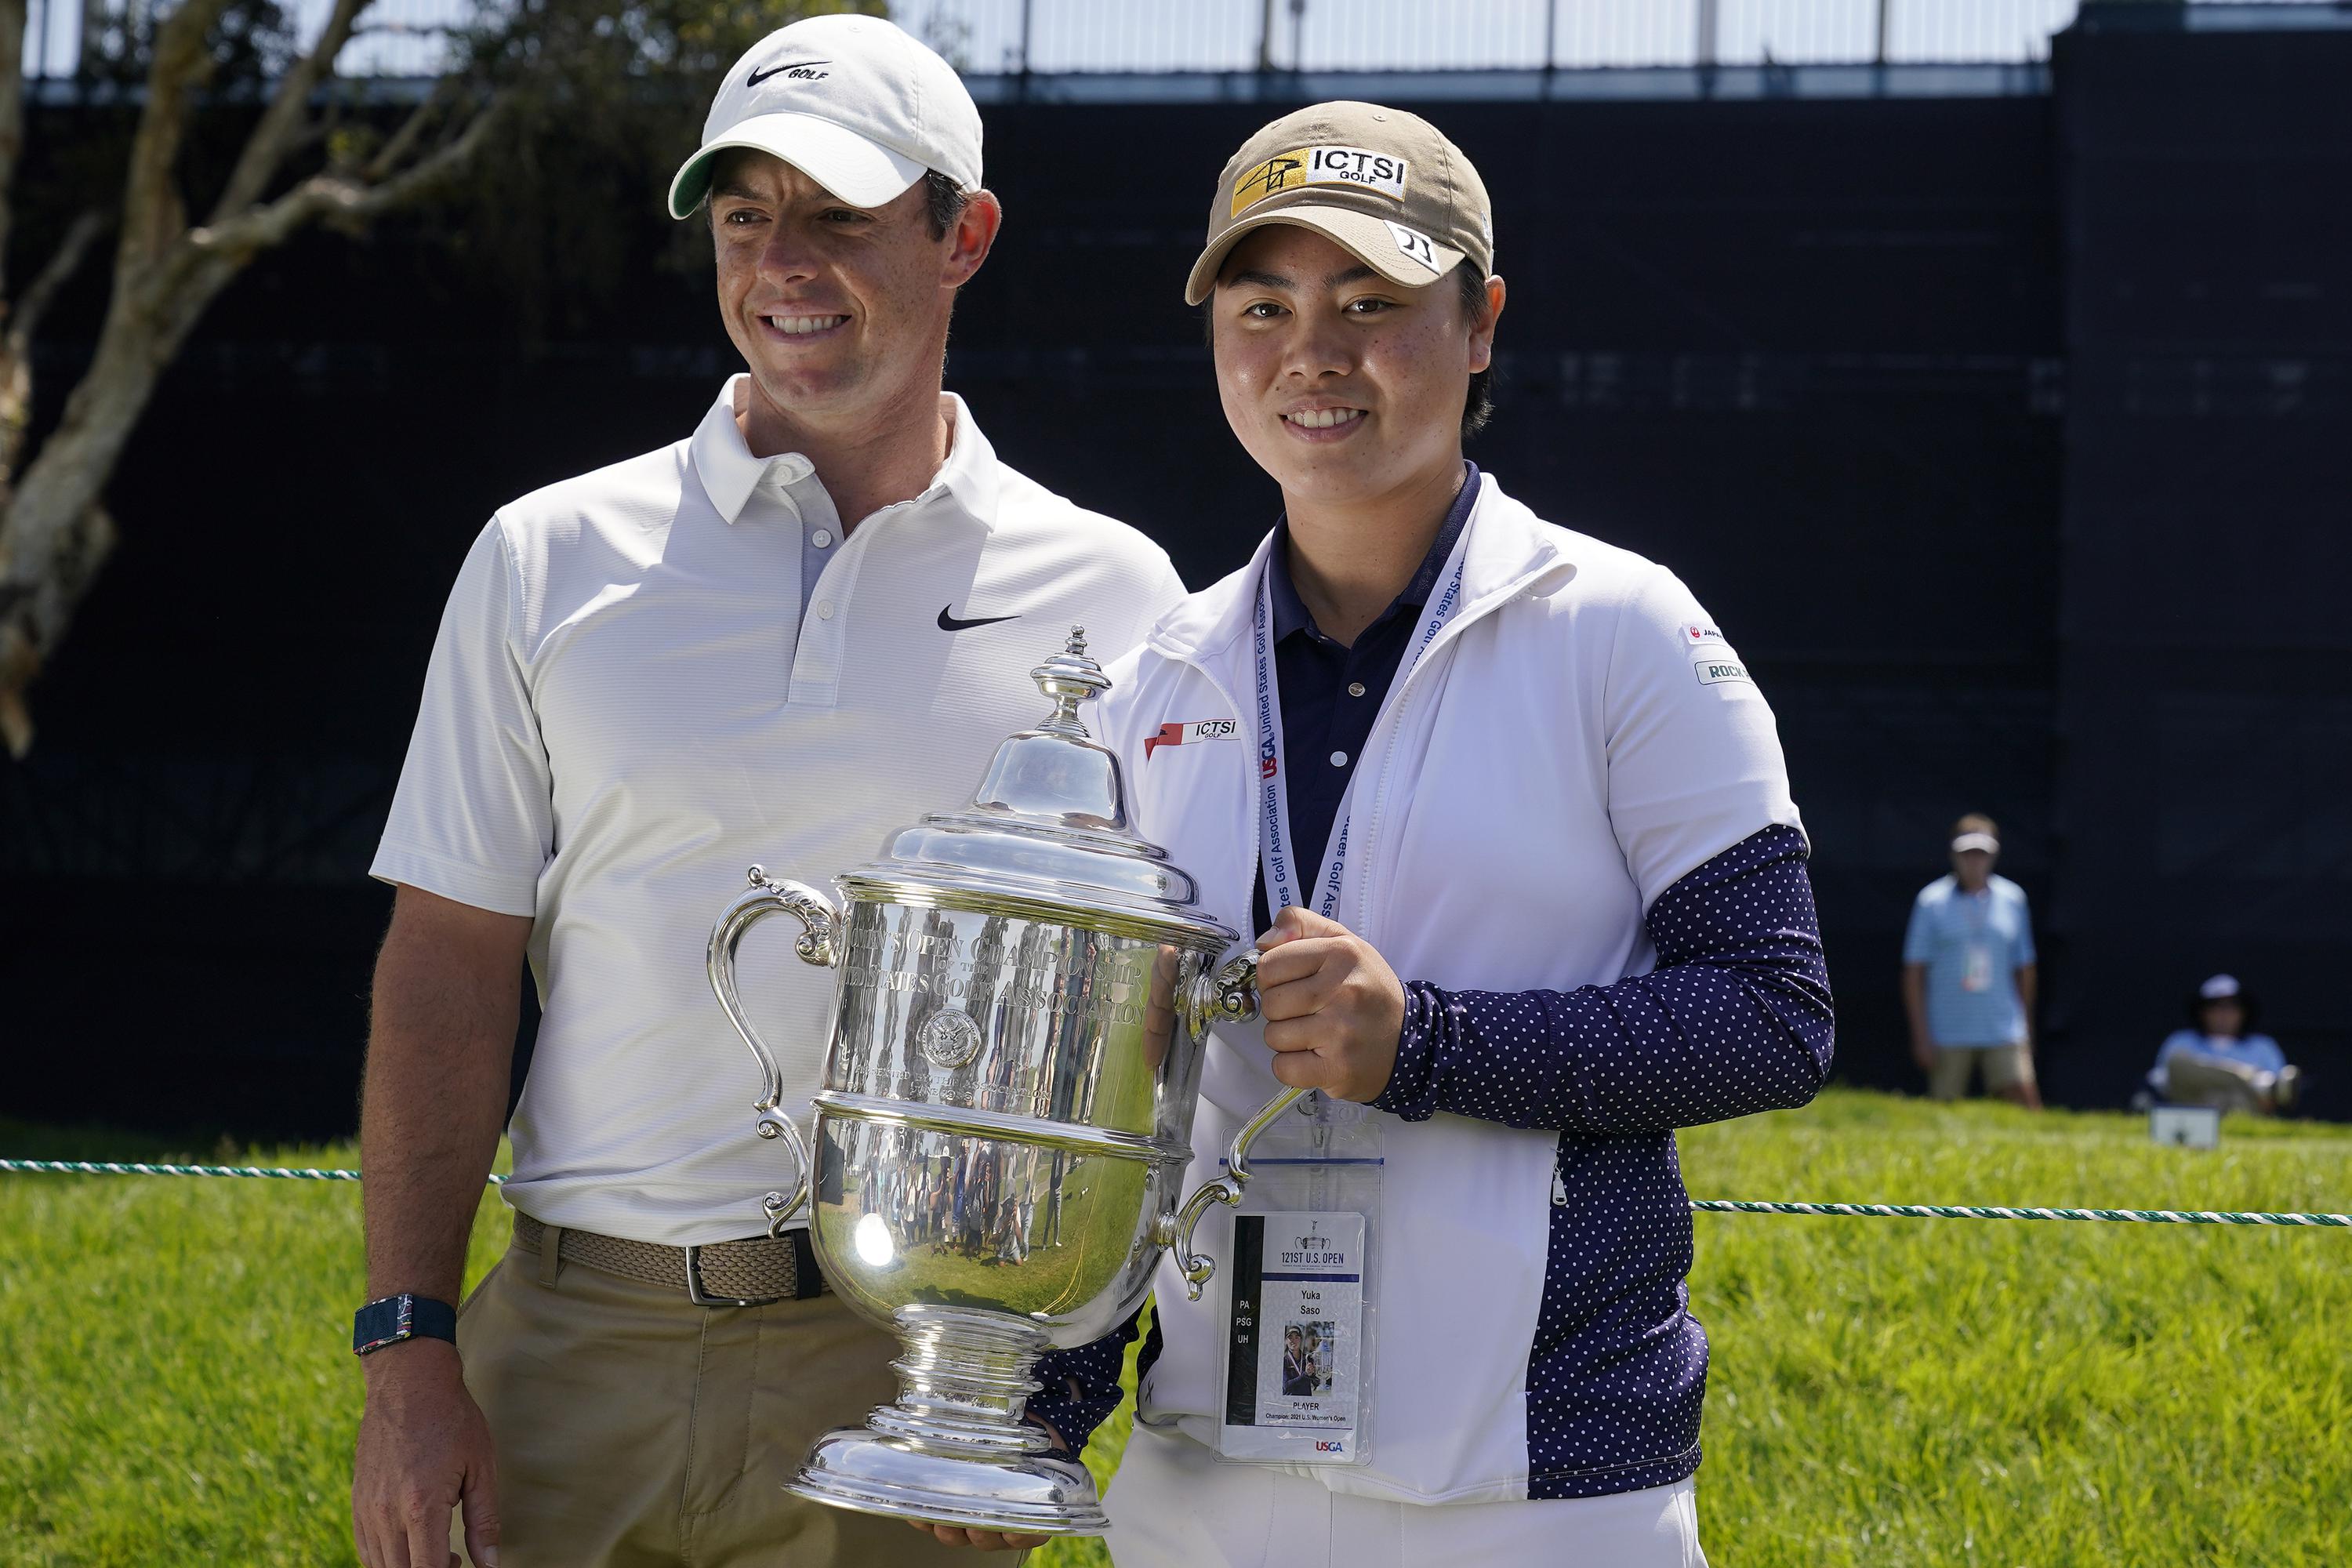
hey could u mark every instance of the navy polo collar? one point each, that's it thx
(1290, 612)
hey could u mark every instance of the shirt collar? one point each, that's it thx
(729, 472)
(1290, 612)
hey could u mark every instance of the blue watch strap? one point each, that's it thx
(403, 1316)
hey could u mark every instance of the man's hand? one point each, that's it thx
(1333, 1006)
(985, 1540)
(996, 1540)
(1923, 1053)
(424, 1450)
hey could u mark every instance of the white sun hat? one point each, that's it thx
(856, 103)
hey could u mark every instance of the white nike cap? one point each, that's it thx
(856, 103)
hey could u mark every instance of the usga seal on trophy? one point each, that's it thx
(1025, 989)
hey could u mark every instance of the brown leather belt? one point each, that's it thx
(746, 1273)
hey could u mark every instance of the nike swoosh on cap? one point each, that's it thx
(756, 78)
(948, 623)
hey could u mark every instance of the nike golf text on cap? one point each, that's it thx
(853, 102)
(1385, 185)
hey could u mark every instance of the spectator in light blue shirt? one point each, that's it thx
(2241, 1070)
(1969, 974)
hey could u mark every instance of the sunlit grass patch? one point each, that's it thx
(175, 1385)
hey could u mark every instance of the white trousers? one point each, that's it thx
(1173, 1505)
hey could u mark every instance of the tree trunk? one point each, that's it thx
(56, 535)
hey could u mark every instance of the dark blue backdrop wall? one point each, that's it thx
(1919, 396)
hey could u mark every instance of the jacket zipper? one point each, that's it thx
(1393, 722)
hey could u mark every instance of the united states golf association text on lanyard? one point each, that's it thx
(1299, 1337)
(1276, 852)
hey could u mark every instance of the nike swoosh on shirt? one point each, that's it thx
(948, 623)
(759, 77)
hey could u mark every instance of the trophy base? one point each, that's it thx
(954, 1448)
(856, 1469)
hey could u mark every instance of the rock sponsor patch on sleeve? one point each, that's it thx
(1716, 668)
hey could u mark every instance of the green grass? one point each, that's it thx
(1898, 1394)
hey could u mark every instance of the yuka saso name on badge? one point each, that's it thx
(1294, 1368)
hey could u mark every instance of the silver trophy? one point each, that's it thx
(1002, 1135)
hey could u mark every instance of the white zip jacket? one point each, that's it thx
(1576, 739)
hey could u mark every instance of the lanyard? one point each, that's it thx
(1275, 849)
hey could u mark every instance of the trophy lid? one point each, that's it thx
(1047, 834)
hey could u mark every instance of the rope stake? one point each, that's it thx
(1698, 1206)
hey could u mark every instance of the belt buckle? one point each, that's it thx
(696, 1294)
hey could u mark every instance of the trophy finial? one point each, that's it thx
(1070, 677)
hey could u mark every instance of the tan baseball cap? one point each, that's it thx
(1384, 184)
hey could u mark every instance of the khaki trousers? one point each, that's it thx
(634, 1429)
(2004, 1068)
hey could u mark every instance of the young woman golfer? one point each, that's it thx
(1512, 817)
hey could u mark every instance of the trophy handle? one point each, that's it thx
(1197, 1268)
(821, 924)
(1227, 994)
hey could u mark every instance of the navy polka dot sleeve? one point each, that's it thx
(1095, 1369)
(1735, 1019)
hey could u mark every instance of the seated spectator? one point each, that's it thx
(2221, 1061)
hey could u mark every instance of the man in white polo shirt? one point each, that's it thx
(773, 641)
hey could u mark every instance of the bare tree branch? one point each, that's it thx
(152, 213)
(44, 605)
(11, 115)
(25, 315)
(403, 142)
(280, 130)
(333, 196)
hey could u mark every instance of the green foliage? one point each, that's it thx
(609, 102)
(1901, 1394)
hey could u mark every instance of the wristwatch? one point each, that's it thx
(403, 1316)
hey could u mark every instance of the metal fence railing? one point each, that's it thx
(396, 39)
(1078, 36)
(989, 38)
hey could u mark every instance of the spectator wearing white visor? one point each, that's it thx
(1970, 974)
(1512, 817)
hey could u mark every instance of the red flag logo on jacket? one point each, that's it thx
(1188, 734)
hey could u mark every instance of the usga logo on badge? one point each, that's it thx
(1329, 1446)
